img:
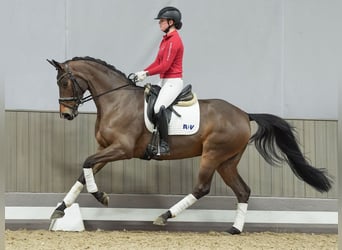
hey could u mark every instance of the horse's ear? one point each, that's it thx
(55, 64)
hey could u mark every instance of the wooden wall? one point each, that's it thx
(45, 155)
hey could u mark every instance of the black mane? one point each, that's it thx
(109, 66)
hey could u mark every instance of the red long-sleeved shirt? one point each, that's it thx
(169, 60)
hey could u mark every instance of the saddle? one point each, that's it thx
(185, 98)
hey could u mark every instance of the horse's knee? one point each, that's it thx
(201, 191)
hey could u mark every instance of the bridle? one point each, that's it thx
(78, 91)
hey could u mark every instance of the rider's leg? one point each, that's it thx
(163, 131)
(171, 88)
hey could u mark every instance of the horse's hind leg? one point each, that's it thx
(201, 189)
(228, 172)
(74, 192)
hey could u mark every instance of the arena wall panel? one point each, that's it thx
(45, 155)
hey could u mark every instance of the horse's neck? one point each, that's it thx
(102, 82)
(111, 91)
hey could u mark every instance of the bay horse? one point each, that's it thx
(223, 135)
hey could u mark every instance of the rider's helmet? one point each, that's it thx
(171, 13)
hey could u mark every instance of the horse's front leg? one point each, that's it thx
(88, 174)
(201, 189)
(90, 167)
(73, 193)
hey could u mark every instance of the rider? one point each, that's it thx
(169, 65)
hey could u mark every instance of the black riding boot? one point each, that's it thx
(162, 125)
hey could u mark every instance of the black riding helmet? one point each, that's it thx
(171, 13)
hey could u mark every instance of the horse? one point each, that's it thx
(223, 135)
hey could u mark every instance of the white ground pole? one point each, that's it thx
(339, 167)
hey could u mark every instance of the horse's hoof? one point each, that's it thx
(234, 230)
(160, 221)
(57, 214)
(105, 199)
(101, 197)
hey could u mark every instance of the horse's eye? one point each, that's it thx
(65, 84)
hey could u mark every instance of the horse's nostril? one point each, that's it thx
(67, 116)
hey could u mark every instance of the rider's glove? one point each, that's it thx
(140, 76)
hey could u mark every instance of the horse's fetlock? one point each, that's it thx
(98, 195)
(244, 196)
(101, 197)
(166, 215)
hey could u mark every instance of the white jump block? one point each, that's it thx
(72, 220)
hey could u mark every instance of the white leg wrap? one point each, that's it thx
(240, 216)
(183, 204)
(70, 198)
(90, 181)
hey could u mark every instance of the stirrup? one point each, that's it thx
(163, 148)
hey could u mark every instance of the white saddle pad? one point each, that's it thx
(187, 124)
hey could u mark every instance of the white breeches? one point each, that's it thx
(170, 89)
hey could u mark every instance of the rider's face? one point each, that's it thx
(164, 24)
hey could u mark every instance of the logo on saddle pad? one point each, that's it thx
(183, 115)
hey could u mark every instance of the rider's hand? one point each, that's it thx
(140, 76)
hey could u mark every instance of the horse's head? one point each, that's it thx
(71, 89)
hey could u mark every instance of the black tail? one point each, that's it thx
(274, 132)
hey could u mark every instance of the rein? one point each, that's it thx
(130, 77)
(90, 97)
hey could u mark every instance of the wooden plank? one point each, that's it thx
(34, 151)
(129, 174)
(176, 176)
(164, 177)
(151, 177)
(332, 156)
(117, 176)
(11, 142)
(190, 174)
(277, 180)
(139, 177)
(22, 151)
(265, 178)
(46, 153)
(72, 166)
(58, 156)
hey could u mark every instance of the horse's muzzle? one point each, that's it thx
(67, 113)
(67, 116)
